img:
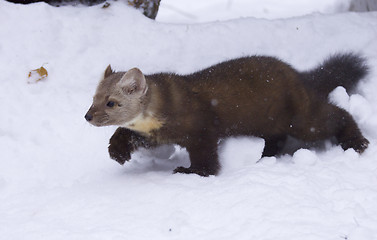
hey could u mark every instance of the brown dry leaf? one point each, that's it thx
(106, 5)
(37, 75)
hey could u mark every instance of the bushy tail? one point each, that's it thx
(344, 70)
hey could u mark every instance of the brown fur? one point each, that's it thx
(251, 96)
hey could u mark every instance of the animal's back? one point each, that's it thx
(251, 95)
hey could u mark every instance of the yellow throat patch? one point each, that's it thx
(144, 124)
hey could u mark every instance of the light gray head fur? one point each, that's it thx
(120, 98)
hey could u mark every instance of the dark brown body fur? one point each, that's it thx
(252, 96)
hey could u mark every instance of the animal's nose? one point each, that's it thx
(88, 117)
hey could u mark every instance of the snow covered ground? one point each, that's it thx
(57, 181)
(193, 11)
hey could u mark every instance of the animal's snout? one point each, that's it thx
(88, 117)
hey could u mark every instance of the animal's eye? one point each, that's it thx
(110, 104)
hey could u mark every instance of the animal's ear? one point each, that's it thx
(132, 82)
(108, 71)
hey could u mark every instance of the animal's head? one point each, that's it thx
(119, 98)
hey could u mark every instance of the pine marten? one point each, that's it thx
(249, 96)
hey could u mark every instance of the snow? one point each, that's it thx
(192, 11)
(57, 181)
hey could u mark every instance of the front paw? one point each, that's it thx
(119, 153)
(201, 172)
(121, 147)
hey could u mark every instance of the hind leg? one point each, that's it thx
(325, 121)
(349, 134)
